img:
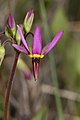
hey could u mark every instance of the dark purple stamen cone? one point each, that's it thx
(35, 62)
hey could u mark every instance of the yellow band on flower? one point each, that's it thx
(36, 56)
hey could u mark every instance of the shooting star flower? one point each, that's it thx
(37, 51)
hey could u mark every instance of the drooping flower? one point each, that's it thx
(37, 51)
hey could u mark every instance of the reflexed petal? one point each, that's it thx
(20, 48)
(37, 42)
(49, 46)
(22, 38)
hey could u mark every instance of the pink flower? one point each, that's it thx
(37, 51)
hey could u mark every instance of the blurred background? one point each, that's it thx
(59, 71)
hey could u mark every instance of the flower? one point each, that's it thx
(37, 51)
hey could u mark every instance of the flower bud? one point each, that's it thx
(28, 20)
(10, 22)
(10, 28)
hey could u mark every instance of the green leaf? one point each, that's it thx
(2, 53)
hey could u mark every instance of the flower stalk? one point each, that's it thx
(2, 33)
(9, 86)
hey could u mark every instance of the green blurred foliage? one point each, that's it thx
(22, 7)
(72, 65)
(41, 115)
(68, 48)
(60, 23)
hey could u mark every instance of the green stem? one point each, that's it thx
(52, 62)
(10, 82)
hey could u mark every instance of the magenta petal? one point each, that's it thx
(50, 45)
(22, 38)
(37, 42)
(30, 12)
(20, 48)
(10, 21)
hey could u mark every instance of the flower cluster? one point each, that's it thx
(36, 52)
(11, 27)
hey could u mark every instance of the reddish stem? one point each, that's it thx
(1, 33)
(2, 85)
(10, 82)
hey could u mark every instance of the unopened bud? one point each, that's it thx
(11, 27)
(28, 20)
(10, 22)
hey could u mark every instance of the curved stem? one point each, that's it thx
(2, 33)
(6, 41)
(10, 82)
(29, 34)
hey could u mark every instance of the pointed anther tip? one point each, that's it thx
(35, 79)
(35, 63)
